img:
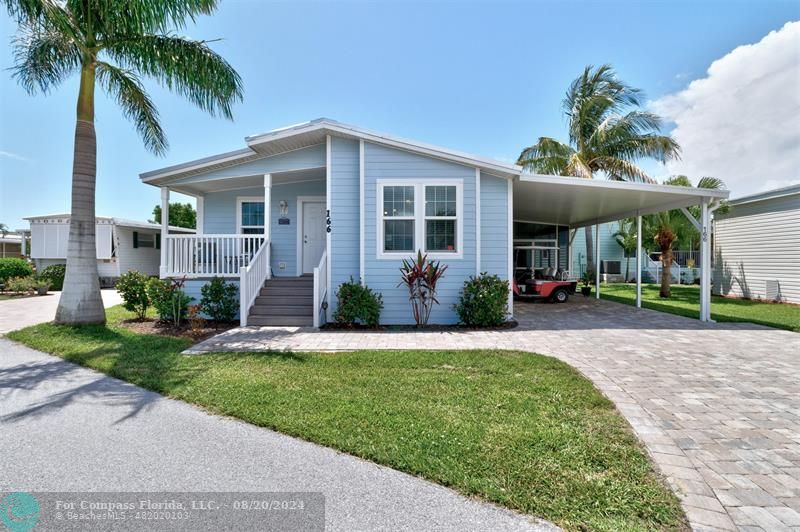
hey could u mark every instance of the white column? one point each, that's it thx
(267, 206)
(639, 261)
(164, 230)
(705, 262)
(477, 221)
(597, 260)
(201, 210)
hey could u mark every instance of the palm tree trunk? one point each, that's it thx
(666, 272)
(81, 301)
(587, 231)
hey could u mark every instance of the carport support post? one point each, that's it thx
(639, 261)
(705, 261)
(164, 230)
(597, 260)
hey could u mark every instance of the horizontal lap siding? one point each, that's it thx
(494, 225)
(220, 218)
(383, 275)
(756, 243)
(609, 248)
(312, 157)
(344, 173)
(142, 259)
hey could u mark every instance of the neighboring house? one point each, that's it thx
(11, 245)
(757, 247)
(613, 263)
(122, 245)
(300, 210)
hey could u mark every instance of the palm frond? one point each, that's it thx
(187, 67)
(547, 156)
(111, 18)
(43, 57)
(711, 183)
(619, 169)
(127, 90)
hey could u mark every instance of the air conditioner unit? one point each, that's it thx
(613, 267)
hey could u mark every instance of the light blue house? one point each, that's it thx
(300, 210)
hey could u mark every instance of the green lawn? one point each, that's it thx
(522, 430)
(685, 301)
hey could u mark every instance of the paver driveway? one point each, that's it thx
(27, 311)
(717, 405)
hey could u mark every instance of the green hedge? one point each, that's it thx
(10, 268)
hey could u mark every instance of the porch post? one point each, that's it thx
(705, 262)
(639, 261)
(268, 221)
(597, 260)
(201, 210)
(164, 231)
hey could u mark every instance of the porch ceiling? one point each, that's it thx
(580, 202)
(199, 188)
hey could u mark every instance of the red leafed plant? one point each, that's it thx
(421, 276)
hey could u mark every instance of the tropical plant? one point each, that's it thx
(113, 43)
(219, 300)
(483, 301)
(180, 215)
(668, 227)
(169, 299)
(20, 285)
(197, 322)
(357, 304)
(132, 287)
(4, 230)
(625, 236)
(14, 267)
(608, 134)
(421, 276)
(55, 274)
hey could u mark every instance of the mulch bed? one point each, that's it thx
(414, 328)
(151, 326)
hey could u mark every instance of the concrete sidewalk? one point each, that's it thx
(68, 428)
(26, 311)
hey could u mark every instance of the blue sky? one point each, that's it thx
(482, 77)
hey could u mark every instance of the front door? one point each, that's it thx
(313, 234)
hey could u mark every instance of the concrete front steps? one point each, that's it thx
(284, 301)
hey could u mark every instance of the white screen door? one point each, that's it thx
(313, 234)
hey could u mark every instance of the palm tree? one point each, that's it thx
(626, 238)
(113, 43)
(668, 227)
(607, 135)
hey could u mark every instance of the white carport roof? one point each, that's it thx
(580, 202)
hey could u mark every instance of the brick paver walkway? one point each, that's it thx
(717, 405)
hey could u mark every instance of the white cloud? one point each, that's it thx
(741, 123)
(11, 155)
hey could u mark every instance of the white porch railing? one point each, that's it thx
(251, 280)
(320, 287)
(209, 255)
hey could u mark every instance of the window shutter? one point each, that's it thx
(135, 239)
(158, 241)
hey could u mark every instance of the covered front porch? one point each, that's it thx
(252, 229)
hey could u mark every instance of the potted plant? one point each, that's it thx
(586, 279)
(42, 286)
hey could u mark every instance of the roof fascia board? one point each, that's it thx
(624, 185)
(196, 164)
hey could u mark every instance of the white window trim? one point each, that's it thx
(247, 199)
(419, 218)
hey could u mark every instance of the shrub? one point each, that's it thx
(20, 285)
(196, 321)
(132, 287)
(10, 268)
(55, 274)
(421, 276)
(219, 300)
(483, 301)
(169, 300)
(357, 304)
